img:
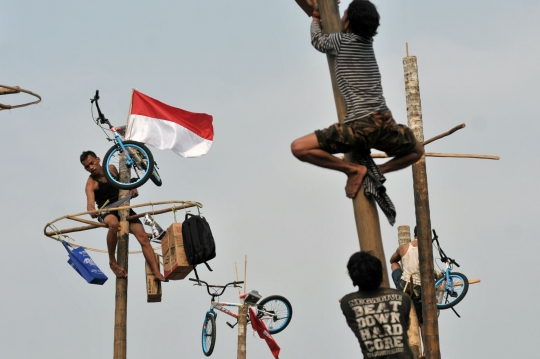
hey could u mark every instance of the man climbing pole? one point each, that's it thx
(99, 191)
(409, 270)
(368, 122)
(378, 317)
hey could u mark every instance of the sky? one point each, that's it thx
(251, 66)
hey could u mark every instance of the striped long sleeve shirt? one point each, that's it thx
(357, 72)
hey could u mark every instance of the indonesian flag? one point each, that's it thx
(164, 127)
(260, 328)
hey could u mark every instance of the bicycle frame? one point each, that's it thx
(449, 282)
(221, 307)
(118, 141)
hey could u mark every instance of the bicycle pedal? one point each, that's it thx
(453, 295)
(232, 325)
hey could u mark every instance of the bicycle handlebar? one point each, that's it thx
(96, 97)
(444, 257)
(101, 117)
(208, 286)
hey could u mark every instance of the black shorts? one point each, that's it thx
(115, 213)
(377, 130)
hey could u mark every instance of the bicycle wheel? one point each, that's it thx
(156, 178)
(451, 293)
(276, 313)
(140, 171)
(208, 334)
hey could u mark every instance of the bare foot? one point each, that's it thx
(354, 180)
(117, 270)
(160, 278)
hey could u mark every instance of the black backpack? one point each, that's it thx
(199, 243)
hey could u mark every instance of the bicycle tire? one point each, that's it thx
(209, 334)
(142, 163)
(445, 296)
(282, 312)
(156, 178)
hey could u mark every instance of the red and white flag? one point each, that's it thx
(164, 127)
(260, 328)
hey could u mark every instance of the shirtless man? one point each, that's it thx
(368, 122)
(98, 191)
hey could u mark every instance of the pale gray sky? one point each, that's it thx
(250, 64)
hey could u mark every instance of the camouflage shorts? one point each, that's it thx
(377, 130)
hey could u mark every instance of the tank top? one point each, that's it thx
(410, 265)
(105, 192)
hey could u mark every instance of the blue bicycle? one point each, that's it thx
(136, 155)
(452, 287)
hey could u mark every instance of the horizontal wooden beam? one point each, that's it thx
(139, 215)
(471, 281)
(454, 155)
(69, 230)
(82, 220)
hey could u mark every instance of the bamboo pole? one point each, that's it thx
(185, 204)
(447, 133)
(5, 90)
(365, 211)
(423, 221)
(69, 230)
(8, 91)
(242, 325)
(161, 211)
(462, 155)
(471, 281)
(236, 270)
(404, 236)
(245, 273)
(93, 223)
(414, 334)
(120, 317)
(455, 155)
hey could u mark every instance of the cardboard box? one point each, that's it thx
(153, 287)
(175, 261)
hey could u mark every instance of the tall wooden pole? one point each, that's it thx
(365, 211)
(122, 254)
(404, 236)
(423, 221)
(242, 320)
(242, 325)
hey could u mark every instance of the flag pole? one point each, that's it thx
(236, 269)
(129, 112)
